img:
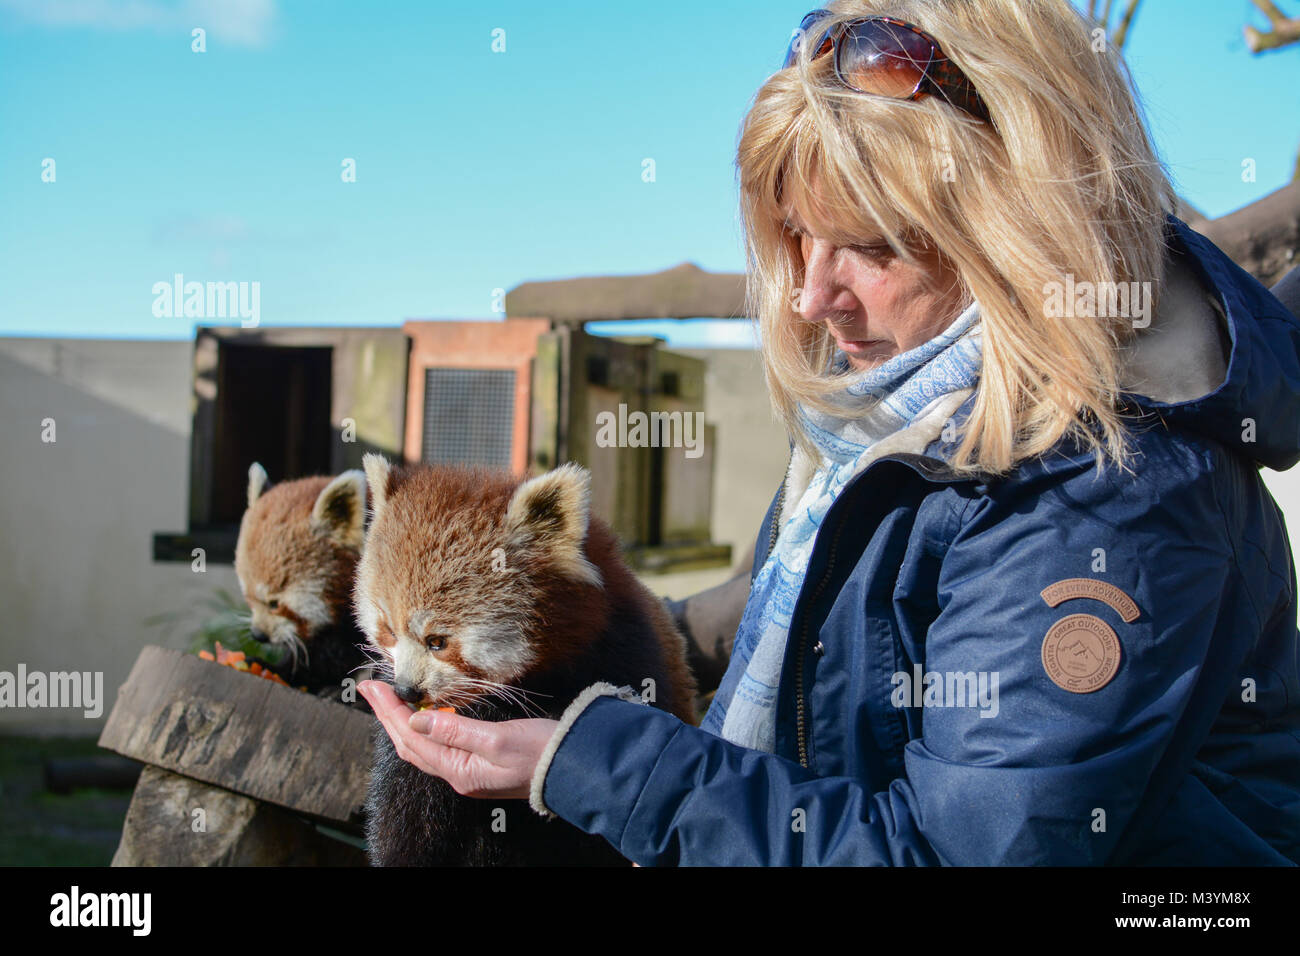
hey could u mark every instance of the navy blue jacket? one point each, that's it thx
(1187, 753)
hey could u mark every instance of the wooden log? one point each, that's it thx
(245, 734)
(1264, 237)
(65, 774)
(176, 821)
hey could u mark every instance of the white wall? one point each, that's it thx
(77, 579)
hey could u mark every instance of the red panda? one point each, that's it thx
(295, 559)
(503, 598)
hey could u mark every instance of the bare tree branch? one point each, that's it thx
(1121, 32)
(1105, 13)
(1270, 10)
(1283, 30)
(1092, 9)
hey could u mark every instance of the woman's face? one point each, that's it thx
(873, 303)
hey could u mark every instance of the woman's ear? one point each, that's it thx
(548, 515)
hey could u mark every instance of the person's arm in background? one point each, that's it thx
(709, 620)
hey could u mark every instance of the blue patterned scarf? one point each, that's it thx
(877, 403)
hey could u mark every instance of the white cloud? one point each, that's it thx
(218, 228)
(236, 22)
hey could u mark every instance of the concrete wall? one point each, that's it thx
(77, 580)
(750, 458)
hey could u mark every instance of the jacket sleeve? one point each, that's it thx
(1044, 775)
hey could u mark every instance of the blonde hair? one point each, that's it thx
(1064, 183)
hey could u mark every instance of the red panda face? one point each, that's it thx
(463, 570)
(296, 555)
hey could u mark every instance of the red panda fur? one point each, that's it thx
(524, 587)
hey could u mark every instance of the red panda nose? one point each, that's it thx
(260, 637)
(408, 693)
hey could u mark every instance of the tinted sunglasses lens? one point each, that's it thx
(806, 34)
(882, 58)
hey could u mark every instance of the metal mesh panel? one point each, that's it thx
(469, 416)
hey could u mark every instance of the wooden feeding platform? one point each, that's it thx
(238, 770)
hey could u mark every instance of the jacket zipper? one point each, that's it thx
(801, 721)
(775, 528)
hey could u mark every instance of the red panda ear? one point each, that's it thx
(549, 514)
(256, 482)
(340, 510)
(377, 472)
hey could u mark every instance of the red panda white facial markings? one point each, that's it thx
(290, 545)
(295, 560)
(527, 601)
(433, 553)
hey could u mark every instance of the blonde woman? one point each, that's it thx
(1022, 597)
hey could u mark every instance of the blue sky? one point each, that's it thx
(475, 170)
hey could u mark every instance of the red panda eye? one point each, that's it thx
(435, 642)
(273, 604)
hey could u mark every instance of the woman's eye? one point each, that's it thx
(873, 252)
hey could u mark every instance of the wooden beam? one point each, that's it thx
(176, 821)
(245, 734)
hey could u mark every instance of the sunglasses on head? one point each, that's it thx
(888, 57)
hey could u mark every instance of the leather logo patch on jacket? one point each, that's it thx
(1101, 591)
(1081, 653)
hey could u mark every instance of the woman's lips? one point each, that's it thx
(859, 346)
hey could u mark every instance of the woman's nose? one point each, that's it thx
(817, 296)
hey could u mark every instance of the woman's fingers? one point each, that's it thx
(478, 758)
(481, 737)
(393, 714)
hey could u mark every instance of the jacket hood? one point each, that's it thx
(1221, 356)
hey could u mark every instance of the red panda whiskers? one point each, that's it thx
(498, 640)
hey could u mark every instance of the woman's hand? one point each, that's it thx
(478, 758)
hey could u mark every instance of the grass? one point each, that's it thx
(38, 828)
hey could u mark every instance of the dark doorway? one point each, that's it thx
(273, 407)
